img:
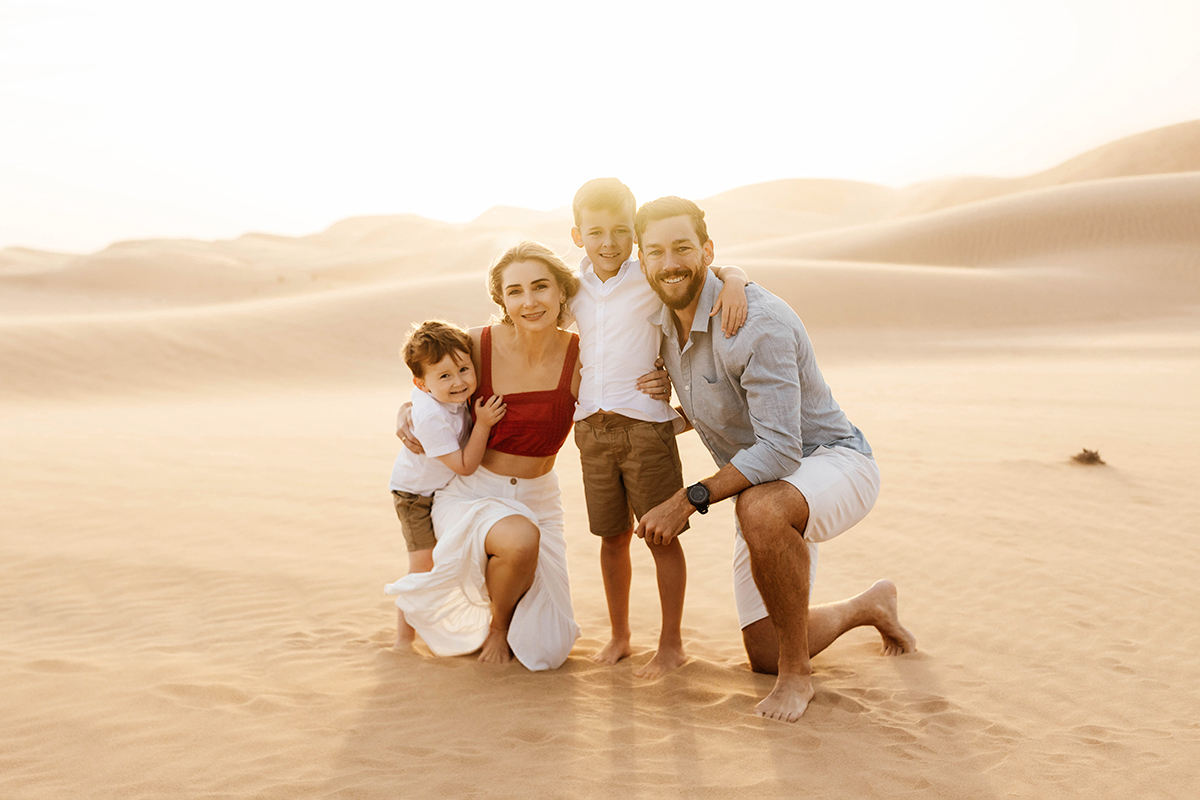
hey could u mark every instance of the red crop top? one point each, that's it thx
(536, 423)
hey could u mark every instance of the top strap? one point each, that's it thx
(564, 382)
(485, 362)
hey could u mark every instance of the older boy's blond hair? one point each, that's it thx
(603, 194)
(430, 342)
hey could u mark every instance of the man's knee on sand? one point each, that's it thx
(768, 510)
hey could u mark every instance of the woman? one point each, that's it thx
(499, 582)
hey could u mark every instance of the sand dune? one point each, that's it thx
(796, 206)
(1127, 212)
(239, 312)
(349, 335)
(196, 529)
(1172, 149)
(161, 273)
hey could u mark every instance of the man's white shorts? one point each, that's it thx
(841, 486)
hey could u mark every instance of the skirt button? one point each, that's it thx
(513, 481)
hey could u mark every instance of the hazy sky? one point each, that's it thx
(141, 118)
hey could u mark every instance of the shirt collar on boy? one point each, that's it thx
(587, 272)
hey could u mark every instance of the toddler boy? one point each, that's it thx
(439, 356)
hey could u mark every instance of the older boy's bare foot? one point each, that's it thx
(495, 648)
(788, 700)
(616, 649)
(665, 660)
(896, 638)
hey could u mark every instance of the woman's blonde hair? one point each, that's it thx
(564, 276)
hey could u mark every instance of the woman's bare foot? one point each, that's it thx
(495, 648)
(788, 700)
(665, 660)
(405, 635)
(616, 649)
(896, 638)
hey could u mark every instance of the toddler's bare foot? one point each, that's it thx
(665, 660)
(405, 635)
(616, 649)
(495, 648)
(788, 700)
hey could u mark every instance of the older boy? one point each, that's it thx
(626, 439)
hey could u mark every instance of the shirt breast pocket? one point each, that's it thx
(718, 404)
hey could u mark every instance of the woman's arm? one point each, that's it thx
(404, 430)
(657, 384)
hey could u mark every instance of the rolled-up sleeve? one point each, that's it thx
(770, 380)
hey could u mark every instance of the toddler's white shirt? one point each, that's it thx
(441, 429)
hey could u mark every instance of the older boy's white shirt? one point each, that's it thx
(441, 428)
(617, 343)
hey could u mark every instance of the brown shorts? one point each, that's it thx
(415, 520)
(629, 467)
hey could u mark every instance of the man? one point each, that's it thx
(801, 472)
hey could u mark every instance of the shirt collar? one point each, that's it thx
(586, 268)
(708, 299)
(665, 318)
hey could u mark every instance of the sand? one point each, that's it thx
(196, 529)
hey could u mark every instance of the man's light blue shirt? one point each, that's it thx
(757, 399)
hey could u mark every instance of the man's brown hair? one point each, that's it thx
(665, 208)
(430, 342)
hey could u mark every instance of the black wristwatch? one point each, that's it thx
(697, 495)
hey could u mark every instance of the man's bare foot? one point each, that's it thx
(896, 638)
(788, 700)
(616, 649)
(495, 648)
(405, 635)
(665, 660)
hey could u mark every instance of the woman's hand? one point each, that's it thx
(731, 305)
(657, 384)
(404, 429)
(490, 412)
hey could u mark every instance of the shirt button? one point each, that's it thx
(513, 481)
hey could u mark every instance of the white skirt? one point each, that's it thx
(449, 606)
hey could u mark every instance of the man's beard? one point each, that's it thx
(680, 301)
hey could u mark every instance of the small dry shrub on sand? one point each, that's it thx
(1086, 456)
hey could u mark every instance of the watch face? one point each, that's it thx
(697, 493)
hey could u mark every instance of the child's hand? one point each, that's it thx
(731, 304)
(490, 412)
